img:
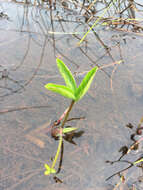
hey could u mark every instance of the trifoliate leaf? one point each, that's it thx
(67, 75)
(60, 89)
(85, 84)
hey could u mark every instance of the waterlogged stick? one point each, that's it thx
(96, 21)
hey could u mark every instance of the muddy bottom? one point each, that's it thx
(32, 36)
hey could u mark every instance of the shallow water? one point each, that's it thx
(31, 39)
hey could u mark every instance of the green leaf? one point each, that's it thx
(60, 89)
(67, 75)
(49, 170)
(69, 129)
(85, 84)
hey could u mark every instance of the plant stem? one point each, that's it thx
(67, 114)
(58, 150)
(61, 135)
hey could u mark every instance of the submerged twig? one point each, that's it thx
(23, 108)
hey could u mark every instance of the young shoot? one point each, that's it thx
(71, 91)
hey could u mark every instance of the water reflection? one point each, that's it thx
(33, 34)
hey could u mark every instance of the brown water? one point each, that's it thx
(30, 41)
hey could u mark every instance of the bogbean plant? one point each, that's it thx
(70, 91)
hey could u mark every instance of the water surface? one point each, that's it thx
(31, 39)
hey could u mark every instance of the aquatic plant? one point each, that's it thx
(70, 91)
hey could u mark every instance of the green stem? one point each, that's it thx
(61, 135)
(67, 114)
(58, 150)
